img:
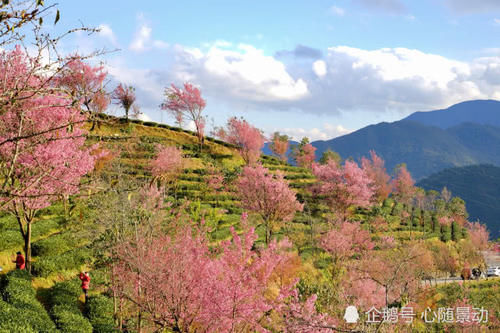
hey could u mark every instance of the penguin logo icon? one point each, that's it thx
(351, 315)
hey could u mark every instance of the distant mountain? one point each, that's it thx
(485, 112)
(478, 185)
(425, 149)
(464, 134)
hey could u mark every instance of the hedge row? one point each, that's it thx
(302, 175)
(10, 237)
(46, 265)
(63, 302)
(55, 244)
(20, 311)
(99, 310)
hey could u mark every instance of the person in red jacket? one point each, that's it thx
(85, 283)
(20, 262)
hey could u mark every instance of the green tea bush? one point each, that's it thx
(190, 186)
(191, 178)
(20, 311)
(63, 302)
(44, 266)
(53, 245)
(10, 237)
(293, 176)
(299, 185)
(99, 310)
(70, 321)
(11, 321)
(150, 123)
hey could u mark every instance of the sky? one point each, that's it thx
(315, 68)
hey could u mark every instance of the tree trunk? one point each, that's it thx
(139, 322)
(27, 246)
(120, 317)
(268, 232)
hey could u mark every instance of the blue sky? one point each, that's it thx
(306, 68)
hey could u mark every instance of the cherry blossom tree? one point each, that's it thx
(186, 104)
(168, 161)
(399, 271)
(279, 145)
(267, 195)
(403, 184)
(125, 97)
(184, 287)
(303, 153)
(243, 282)
(37, 169)
(359, 289)
(346, 240)
(302, 317)
(246, 137)
(478, 234)
(375, 169)
(85, 83)
(343, 186)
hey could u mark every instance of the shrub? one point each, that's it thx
(70, 321)
(150, 123)
(63, 300)
(99, 310)
(44, 266)
(21, 311)
(10, 236)
(11, 321)
(53, 245)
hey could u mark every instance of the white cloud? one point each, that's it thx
(392, 79)
(328, 131)
(319, 68)
(345, 80)
(243, 73)
(143, 40)
(337, 11)
(144, 117)
(106, 32)
(496, 21)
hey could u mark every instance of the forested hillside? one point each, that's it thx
(478, 185)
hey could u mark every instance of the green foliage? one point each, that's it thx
(445, 233)
(54, 245)
(456, 232)
(20, 311)
(478, 185)
(67, 320)
(65, 312)
(99, 310)
(10, 236)
(44, 266)
(330, 155)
